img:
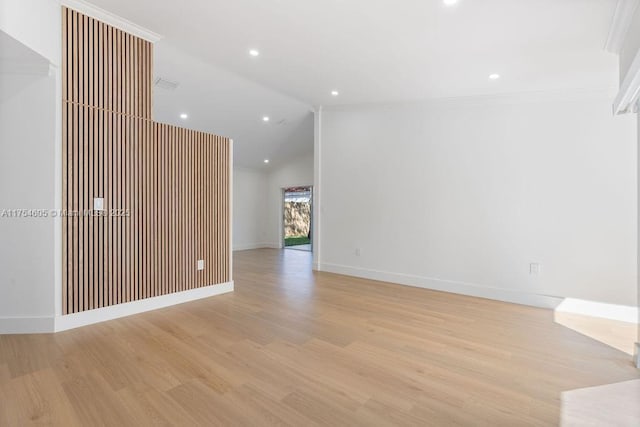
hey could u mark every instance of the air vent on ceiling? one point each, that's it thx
(282, 122)
(165, 84)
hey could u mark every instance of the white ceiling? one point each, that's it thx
(371, 51)
(224, 103)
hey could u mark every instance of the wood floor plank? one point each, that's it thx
(294, 347)
(35, 398)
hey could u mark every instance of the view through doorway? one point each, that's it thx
(297, 218)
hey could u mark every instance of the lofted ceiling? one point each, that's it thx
(368, 50)
(226, 104)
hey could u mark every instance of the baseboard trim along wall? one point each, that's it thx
(622, 313)
(462, 288)
(34, 325)
(568, 305)
(249, 246)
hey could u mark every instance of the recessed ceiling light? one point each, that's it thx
(254, 52)
(494, 76)
(265, 119)
(266, 160)
(184, 116)
(449, 2)
(335, 93)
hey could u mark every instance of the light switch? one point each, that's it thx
(98, 204)
(200, 264)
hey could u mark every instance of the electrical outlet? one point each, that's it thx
(98, 204)
(200, 264)
(535, 268)
(357, 251)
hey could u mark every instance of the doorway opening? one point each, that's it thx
(297, 219)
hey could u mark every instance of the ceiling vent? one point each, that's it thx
(165, 84)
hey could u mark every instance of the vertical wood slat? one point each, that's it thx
(134, 206)
(115, 197)
(160, 203)
(220, 239)
(168, 191)
(89, 221)
(142, 218)
(108, 52)
(197, 232)
(99, 300)
(217, 213)
(154, 220)
(126, 203)
(224, 209)
(79, 165)
(147, 220)
(170, 180)
(70, 136)
(109, 280)
(205, 203)
(190, 215)
(226, 263)
(180, 153)
(65, 149)
(212, 199)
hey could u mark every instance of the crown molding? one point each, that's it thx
(111, 19)
(620, 22)
(629, 95)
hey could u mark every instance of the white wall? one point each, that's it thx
(249, 209)
(257, 201)
(630, 49)
(30, 143)
(27, 126)
(630, 46)
(463, 195)
(296, 172)
(34, 23)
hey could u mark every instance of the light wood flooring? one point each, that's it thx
(292, 347)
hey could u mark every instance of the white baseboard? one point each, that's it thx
(249, 246)
(35, 325)
(621, 313)
(84, 318)
(536, 300)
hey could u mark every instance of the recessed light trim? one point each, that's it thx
(254, 52)
(266, 161)
(265, 119)
(184, 116)
(335, 93)
(494, 76)
(449, 2)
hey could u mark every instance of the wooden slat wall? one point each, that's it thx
(166, 189)
(106, 67)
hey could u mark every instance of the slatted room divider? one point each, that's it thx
(165, 189)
